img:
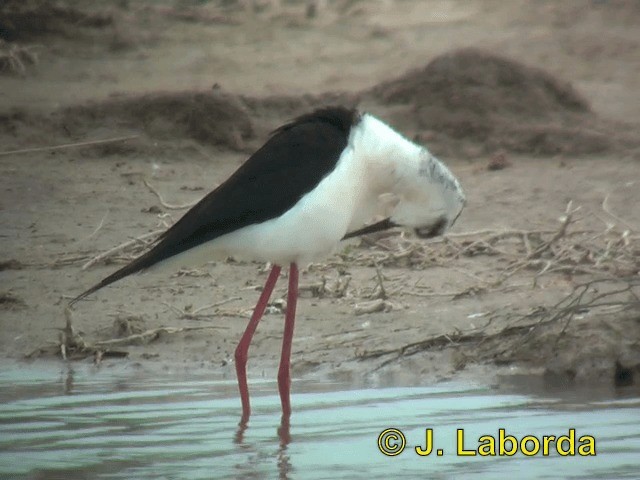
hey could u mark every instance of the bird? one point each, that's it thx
(315, 182)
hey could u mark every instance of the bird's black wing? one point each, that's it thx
(290, 164)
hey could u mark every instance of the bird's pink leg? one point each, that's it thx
(284, 376)
(242, 350)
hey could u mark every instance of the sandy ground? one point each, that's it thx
(544, 113)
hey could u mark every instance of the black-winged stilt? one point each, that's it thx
(315, 182)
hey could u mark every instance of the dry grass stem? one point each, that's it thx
(148, 336)
(607, 210)
(68, 145)
(188, 313)
(142, 239)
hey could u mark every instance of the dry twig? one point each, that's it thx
(564, 250)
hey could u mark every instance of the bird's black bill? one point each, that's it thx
(430, 231)
(376, 227)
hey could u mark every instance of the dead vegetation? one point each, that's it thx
(595, 296)
(15, 59)
(613, 251)
(72, 346)
(603, 265)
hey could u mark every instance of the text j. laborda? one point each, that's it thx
(392, 442)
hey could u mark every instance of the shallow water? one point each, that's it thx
(105, 424)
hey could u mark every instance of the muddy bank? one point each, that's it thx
(535, 116)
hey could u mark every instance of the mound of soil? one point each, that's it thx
(473, 95)
(477, 81)
(270, 112)
(464, 103)
(211, 117)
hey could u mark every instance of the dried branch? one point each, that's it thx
(168, 206)
(623, 294)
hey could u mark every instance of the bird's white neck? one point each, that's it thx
(387, 156)
(424, 188)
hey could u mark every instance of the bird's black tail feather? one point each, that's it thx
(150, 258)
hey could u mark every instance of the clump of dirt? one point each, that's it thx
(26, 20)
(473, 95)
(11, 264)
(211, 117)
(9, 301)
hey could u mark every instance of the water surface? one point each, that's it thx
(106, 424)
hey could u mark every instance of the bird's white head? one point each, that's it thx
(426, 196)
(430, 196)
